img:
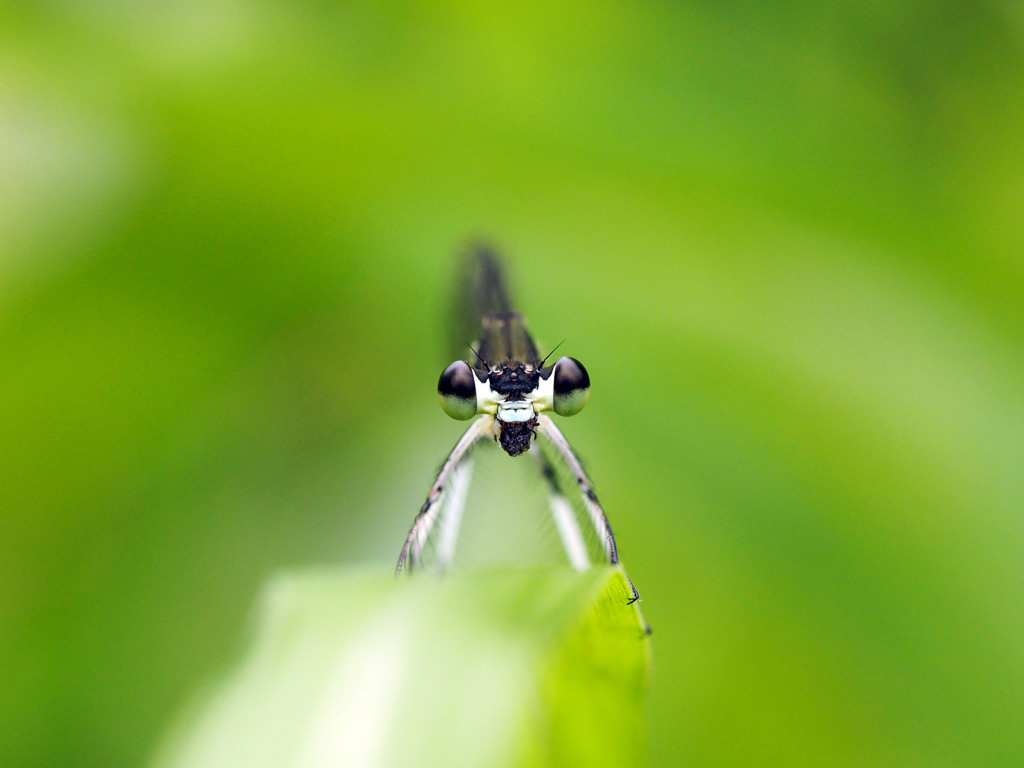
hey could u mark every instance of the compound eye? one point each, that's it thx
(572, 386)
(457, 391)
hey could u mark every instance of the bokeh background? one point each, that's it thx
(786, 238)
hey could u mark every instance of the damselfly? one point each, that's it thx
(508, 390)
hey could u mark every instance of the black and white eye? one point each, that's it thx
(572, 386)
(457, 391)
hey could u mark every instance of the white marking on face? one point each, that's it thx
(543, 397)
(515, 411)
(486, 399)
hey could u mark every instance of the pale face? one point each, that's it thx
(514, 395)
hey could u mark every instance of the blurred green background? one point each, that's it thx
(786, 239)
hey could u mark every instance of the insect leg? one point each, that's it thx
(452, 517)
(425, 518)
(547, 428)
(565, 518)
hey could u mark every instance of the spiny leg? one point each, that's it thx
(452, 517)
(565, 518)
(547, 428)
(428, 512)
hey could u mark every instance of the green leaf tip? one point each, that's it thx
(496, 668)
